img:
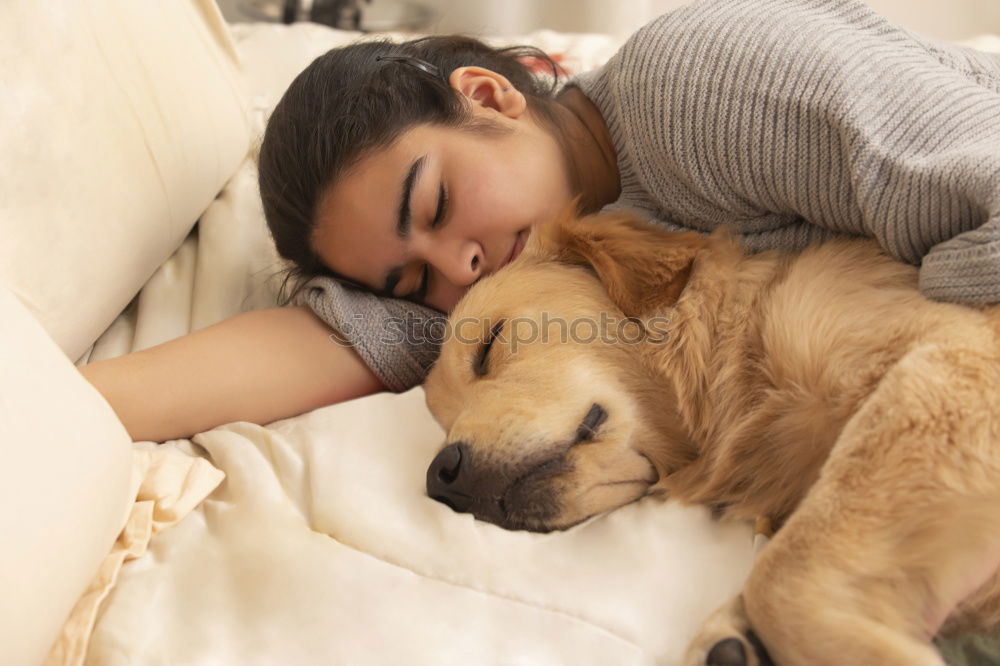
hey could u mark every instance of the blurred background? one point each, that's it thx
(939, 19)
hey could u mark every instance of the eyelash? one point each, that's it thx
(439, 216)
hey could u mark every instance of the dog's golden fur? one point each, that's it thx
(818, 389)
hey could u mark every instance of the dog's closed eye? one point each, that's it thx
(480, 365)
(588, 427)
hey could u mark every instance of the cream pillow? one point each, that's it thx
(65, 471)
(120, 122)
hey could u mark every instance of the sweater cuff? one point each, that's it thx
(397, 339)
(958, 271)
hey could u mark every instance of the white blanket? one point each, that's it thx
(321, 547)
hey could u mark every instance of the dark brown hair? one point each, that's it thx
(348, 103)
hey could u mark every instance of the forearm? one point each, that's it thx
(259, 367)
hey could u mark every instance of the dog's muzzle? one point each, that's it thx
(517, 495)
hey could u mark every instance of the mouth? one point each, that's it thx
(516, 250)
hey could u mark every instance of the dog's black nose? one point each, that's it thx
(445, 477)
(728, 652)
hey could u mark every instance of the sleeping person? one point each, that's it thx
(395, 175)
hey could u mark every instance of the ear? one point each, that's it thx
(486, 89)
(640, 266)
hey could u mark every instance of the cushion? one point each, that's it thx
(121, 121)
(64, 484)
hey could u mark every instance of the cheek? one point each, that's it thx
(604, 480)
(602, 499)
(506, 196)
(487, 196)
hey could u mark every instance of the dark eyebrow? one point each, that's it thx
(394, 274)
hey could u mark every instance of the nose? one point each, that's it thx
(460, 260)
(447, 477)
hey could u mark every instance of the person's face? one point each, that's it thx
(442, 207)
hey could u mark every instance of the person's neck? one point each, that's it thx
(590, 154)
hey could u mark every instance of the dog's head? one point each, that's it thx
(551, 415)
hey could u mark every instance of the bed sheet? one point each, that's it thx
(321, 547)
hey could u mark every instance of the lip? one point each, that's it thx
(516, 250)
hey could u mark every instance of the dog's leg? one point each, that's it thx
(901, 526)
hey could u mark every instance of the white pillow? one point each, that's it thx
(65, 470)
(120, 122)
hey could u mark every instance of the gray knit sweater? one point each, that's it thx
(792, 120)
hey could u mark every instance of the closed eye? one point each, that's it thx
(420, 293)
(481, 364)
(442, 207)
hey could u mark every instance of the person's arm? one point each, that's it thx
(258, 366)
(814, 118)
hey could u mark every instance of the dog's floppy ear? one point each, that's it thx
(640, 266)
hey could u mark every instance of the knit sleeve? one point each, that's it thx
(791, 237)
(771, 116)
(928, 172)
(399, 340)
(965, 162)
(965, 268)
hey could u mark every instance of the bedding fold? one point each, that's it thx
(166, 485)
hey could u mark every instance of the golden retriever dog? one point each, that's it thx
(818, 390)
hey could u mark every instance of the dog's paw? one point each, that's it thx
(738, 650)
(727, 652)
(726, 639)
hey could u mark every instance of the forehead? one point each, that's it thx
(356, 216)
(543, 305)
(528, 296)
(372, 184)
